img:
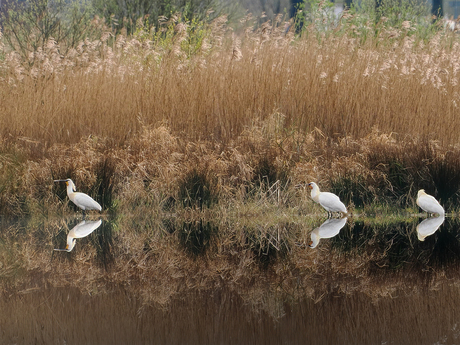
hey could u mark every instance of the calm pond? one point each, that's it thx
(349, 281)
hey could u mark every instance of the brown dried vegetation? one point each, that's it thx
(155, 132)
(131, 117)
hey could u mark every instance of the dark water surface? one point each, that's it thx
(66, 316)
(395, 283)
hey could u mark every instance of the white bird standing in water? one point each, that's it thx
(80, 230)
(329, 201)
(82, 200)
(428, 203)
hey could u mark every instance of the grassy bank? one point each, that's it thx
(159, 173)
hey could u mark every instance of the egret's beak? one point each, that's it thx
(309, 244)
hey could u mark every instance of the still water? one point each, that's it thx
(349, 281)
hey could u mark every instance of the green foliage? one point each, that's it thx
(315, 14)
(197, 32)
(266, 8)
(185, 38)
(125, 14)
(368, 18)
(398, 11)
(371, 18)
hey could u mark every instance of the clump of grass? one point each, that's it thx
(197, 190)
(12, 161)
(444, 170)
(105, 171)
(353, 190)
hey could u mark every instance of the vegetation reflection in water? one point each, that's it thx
(431, 242)
(268, 270)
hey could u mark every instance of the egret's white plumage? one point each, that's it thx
(428, 203)
(429, 226)
(330, 228)
(329, 201)
(81, 230)
(82, 200)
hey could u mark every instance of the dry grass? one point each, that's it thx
(202, 148)
(198, 111)
(213, 86)
(159, 173)
(175, 140)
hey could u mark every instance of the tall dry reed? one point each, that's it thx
(213, 86)
(199, 110)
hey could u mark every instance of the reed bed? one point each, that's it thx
(201, 122)
(195, 140)
(199, 111)
(210, 83)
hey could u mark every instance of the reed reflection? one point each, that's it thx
(330, 228)
(429, 226)
(130, 268)
(81, 230)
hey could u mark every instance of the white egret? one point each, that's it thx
(80, 230)
(428, 203)
(329, 229)
(329, 201)
(429, 226)
(82, 200)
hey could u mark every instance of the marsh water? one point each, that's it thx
(349, 281)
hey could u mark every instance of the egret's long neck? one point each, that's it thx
(70, 190)
(315, 193)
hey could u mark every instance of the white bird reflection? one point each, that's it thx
(328, 229)
(429, 226)
(80, 230)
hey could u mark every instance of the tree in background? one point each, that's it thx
(29, 25)
(124, 14)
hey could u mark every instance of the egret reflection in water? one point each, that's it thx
(330, 228)
(80, 230)
(428, 227)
